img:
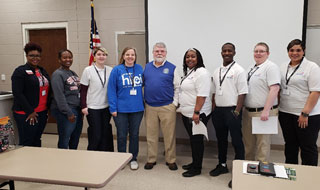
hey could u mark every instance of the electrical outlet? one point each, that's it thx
(3, 77)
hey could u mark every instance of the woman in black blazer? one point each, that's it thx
(31, 91)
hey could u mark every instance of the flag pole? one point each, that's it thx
(94, 35)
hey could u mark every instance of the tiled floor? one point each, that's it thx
(160, 177)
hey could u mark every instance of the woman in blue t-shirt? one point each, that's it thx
(126, 102)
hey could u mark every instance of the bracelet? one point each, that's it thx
(196, 112)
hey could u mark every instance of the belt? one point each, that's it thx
(259, 109)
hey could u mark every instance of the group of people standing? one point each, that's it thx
(232, 96)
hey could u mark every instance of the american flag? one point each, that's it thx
(94, 35)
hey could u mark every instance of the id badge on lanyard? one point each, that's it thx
(220, 93)
(285, 91)
(133, 92)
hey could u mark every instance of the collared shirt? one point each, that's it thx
(195, 84)
(97, 94)
(154, 63)
(261, 77)
(305, 80)
(234, 84)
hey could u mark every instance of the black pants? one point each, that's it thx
(30, 135)
(196, 141)
(100, 130)
(224, 121)
(297, 138)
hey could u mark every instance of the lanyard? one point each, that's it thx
(187, 75)
(43, 82)
(105, 77)
(251, 72)
(288, 79)
(131, 76)
(221, 81)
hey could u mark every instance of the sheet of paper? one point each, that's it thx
(265, 127)
(280, 171)
(199, 129)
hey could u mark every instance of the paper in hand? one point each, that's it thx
(199, 129)
(265, 127)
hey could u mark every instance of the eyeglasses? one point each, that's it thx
(295, 50)
(259, 51)
(159, 51)
(34, 55)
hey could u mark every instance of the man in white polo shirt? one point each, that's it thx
(262, 101)
(229, 90)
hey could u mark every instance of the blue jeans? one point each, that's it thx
(69, 133)
(30, 135)
(128, 122)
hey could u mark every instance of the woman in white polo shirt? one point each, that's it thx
(94, 103)
(195, 105)
(261, 101)
(299, 114)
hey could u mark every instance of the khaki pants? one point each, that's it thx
(165, 118)
(257, 146)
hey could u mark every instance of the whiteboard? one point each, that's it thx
(208, 24)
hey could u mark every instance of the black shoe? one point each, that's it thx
(172, 166)
(149, 166)
(219, 170)
(230, 184)
(191, 173)
(187, 167)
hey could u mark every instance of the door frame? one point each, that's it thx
(123, 32)
(45, 25)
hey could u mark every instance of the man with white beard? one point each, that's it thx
(161, 88)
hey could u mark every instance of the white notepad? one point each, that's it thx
(265, 127)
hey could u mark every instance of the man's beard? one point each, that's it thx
(159, 59)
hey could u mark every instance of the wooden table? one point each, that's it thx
(81, 168)
(308, 178)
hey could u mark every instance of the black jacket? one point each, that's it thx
(25, 88)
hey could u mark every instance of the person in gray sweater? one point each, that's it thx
(65, 107)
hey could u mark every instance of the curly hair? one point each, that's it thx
(31, 47)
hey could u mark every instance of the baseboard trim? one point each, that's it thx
(186, 141)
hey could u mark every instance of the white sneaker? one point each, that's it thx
(134, 165)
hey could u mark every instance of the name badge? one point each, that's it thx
(220, 92)
(43, 93)
(286, 91)
(133, 92)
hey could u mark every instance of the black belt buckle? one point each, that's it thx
(259, 109)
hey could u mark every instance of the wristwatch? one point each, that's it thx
(197, 112)
(304, 114)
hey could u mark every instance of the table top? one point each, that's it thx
(307, 177)
(82, 168)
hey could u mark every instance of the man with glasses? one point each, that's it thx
(262, 101)
(161, 83)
